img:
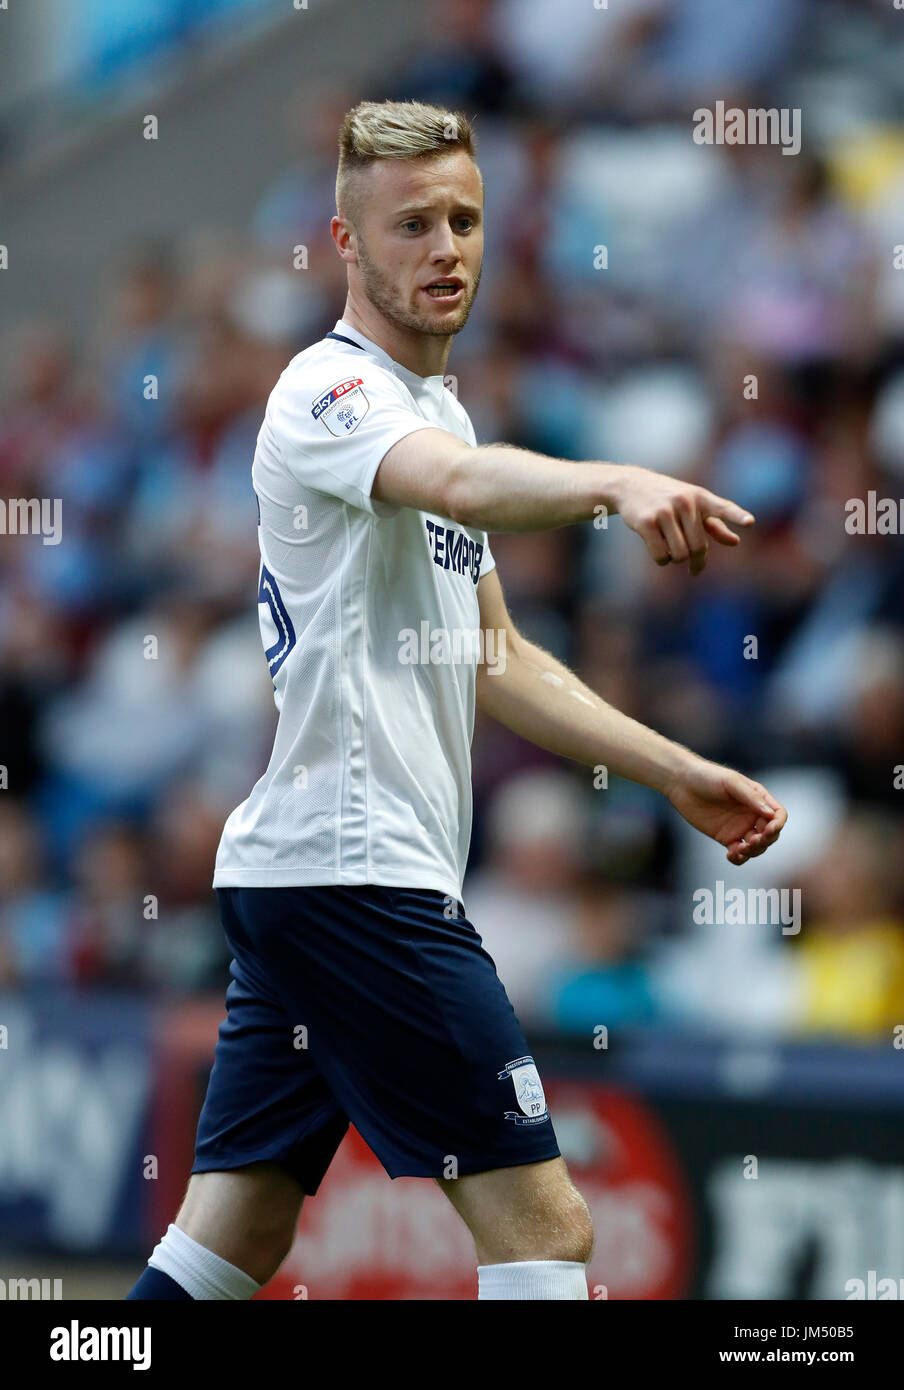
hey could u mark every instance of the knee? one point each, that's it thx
(270, 1232)
(571, 1230)
(272, 1244)
(247, 1216)
(556, 1226)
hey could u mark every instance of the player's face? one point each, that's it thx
(422, 223)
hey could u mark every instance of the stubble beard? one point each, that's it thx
(384, 297)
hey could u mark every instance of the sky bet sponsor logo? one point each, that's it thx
(453, 550)
(76, 1343)
(342, 407)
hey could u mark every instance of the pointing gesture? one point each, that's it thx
(676, 520)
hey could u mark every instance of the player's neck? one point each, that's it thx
(423, 353)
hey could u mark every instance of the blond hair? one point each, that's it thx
(394, 130)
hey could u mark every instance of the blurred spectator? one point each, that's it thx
(109, 925)
(851, 946)
(34, 939)
(605, 981)
(524, 900)
(465, 66)
(803, 279)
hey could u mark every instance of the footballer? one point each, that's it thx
(360, 992)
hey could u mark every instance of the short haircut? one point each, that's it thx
(375, 130)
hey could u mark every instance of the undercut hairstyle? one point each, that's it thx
(375, 130)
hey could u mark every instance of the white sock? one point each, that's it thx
(533, 1279)
(198, 1270)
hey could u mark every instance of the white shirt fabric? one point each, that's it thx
(369, 780)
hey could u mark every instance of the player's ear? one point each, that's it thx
(343, 234)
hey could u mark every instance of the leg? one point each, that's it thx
(267, 1132)
(247, 1216)
(418, 1045)
(233, 1231)
(531, 1212)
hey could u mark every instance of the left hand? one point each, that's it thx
(728, 807)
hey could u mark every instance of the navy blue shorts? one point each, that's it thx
(369, 1005)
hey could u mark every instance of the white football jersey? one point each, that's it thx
(370, 625)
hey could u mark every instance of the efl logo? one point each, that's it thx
(75, 1343)
(342, 408)
(333, 395)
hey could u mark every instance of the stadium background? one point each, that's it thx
(736, 1125)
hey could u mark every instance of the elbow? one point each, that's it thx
(457, 498)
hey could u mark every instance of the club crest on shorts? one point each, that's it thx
(342, 407)
(528, 1091)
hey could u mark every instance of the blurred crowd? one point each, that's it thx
(723, 313)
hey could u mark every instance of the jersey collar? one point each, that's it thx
(433, 384)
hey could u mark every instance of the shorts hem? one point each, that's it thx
(308, 1180)
(466, 1167)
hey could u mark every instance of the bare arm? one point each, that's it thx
(537, 697)
(498, 487)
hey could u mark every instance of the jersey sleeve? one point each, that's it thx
(334, 428)
(487, 563)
